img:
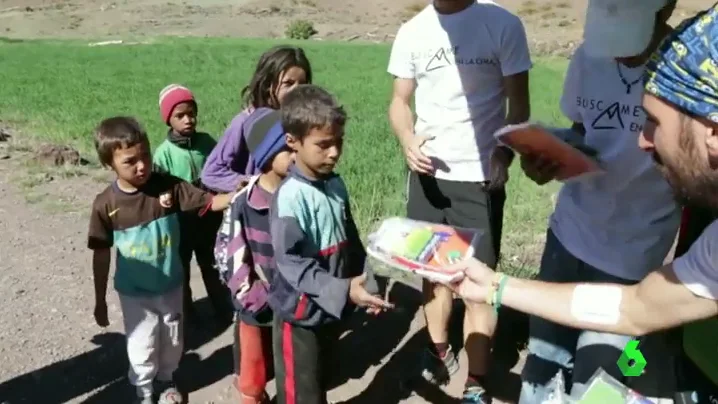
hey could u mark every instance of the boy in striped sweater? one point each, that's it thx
(245, 257)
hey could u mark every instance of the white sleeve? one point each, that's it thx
(698, 268)
(572, 87)
(514, 55)
(401, 63)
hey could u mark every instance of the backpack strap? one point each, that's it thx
(227, 232)
(250, 184)
(260, 273)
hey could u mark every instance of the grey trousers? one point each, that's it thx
(153, 327)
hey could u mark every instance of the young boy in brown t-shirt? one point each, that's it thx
(138, 215)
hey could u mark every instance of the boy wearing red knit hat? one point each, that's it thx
(183, 154)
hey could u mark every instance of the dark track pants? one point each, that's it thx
(304, 361)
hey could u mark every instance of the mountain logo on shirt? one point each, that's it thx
(609, 118)
(438, 61)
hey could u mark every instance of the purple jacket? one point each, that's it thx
(230, 162)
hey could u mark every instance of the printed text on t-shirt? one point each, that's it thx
(443, 57)
(614, 115)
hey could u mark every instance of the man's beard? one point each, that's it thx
(693, 182)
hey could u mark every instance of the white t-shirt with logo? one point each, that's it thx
(459, 61)
(698, 268)
(622, 222)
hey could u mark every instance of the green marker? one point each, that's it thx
(453, 256)
(631, 363)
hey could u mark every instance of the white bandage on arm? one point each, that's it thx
(599, 304)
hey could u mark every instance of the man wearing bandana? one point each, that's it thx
(681, 133)
(616, 226)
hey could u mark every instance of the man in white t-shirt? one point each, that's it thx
(615, 227)
(461, 60)
(681, 134)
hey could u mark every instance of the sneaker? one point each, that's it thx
(169, 393)
(144, 394)
(475, 395)
(144, 400)
(439, 370)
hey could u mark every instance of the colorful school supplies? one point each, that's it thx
(421, 248)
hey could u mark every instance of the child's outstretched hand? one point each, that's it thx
(101, 314)
(359, 295)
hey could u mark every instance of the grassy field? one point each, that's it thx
(58, 91)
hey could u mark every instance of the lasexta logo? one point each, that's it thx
(631, 363)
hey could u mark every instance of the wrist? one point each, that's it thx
(495, 295)
(405, 138)
(352, 284)
(351, 288)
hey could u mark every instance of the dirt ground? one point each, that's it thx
(51, 350)
(553, 26)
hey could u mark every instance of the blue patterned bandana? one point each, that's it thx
(684, 70)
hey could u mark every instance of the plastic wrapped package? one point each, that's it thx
(410, 248)
(604, 389)
(556, 391)
(601, 389)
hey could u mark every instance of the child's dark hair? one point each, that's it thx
(310, 107)
(258, 93)
(117, 132)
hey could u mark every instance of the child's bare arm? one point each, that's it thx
(100, 240)
(100, 273)
(190, 198)
(221, 201)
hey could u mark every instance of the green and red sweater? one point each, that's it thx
(184, 156)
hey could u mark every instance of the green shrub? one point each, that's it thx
(300, 29)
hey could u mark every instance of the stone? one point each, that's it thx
(58, 155)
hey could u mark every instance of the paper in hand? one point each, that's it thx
(563, 146)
